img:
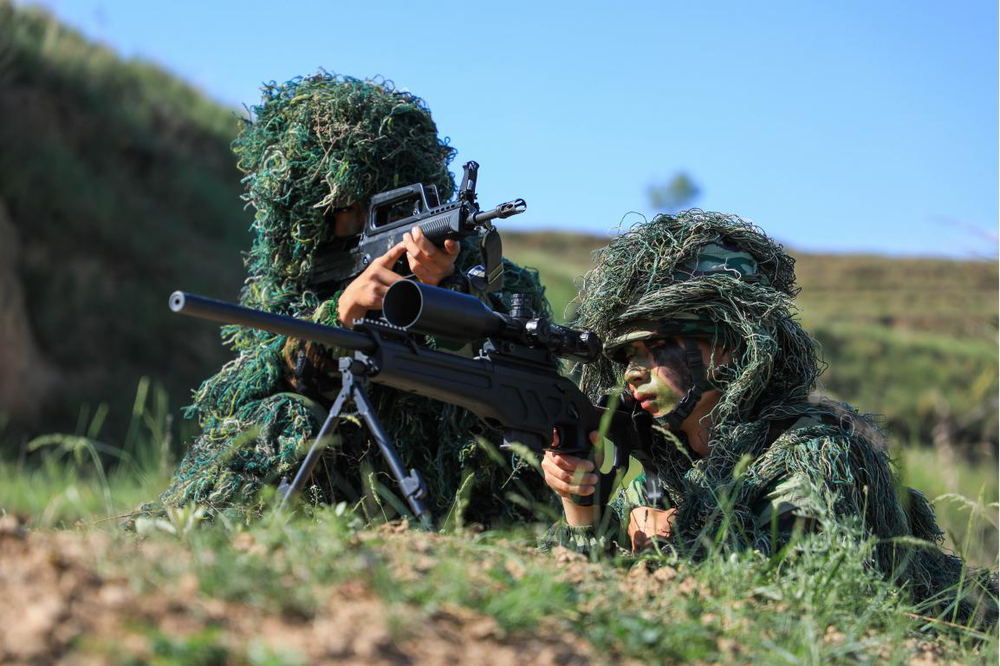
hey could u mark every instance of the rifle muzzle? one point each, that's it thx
(501, 212)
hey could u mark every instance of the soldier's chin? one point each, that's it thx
(661, 412)
(656, 411)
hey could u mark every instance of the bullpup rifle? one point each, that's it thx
(393, 213)
(513, 384)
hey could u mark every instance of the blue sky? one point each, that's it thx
(847, 126)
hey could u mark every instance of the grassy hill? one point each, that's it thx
(117, 186)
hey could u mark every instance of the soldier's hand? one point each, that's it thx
(430, 264)
(646, 524)
(567, 476)
(367, 290)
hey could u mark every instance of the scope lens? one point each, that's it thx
(403, 304)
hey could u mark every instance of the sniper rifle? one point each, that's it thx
(513, 384)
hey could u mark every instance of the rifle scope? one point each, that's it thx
(452, 315)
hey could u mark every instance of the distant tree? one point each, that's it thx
(674, 195)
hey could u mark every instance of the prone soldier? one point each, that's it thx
(316, 152)
(696, 311)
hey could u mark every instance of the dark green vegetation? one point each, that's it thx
(117, 185)
(107, 167)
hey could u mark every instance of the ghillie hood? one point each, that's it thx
(719, 276)
(318, 144)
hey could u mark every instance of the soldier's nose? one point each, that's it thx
(636, 375)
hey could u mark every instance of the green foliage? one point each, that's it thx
(73, 477)
(942, 474)
(200, 649)
(119, 183)
(815, 602)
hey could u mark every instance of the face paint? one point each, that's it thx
(659, 378)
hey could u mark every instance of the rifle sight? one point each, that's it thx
(452, 315)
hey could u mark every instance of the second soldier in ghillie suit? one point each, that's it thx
(315, 148)
(703, 303)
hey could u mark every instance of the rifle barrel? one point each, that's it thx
(501, 212)
(228, 313)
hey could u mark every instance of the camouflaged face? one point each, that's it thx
(708, 275)
(683, 326)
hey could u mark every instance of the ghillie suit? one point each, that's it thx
(317, 145)
(776, 457)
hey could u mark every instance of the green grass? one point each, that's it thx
(816, 604)
(297, 576)
(965, 498)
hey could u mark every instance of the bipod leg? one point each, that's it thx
(288, 491)
(409, 482)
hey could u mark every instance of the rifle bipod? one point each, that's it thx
(354, 373)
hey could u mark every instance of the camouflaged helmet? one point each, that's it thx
(698, 274)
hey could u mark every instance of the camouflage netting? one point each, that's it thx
(655, 271)
(315, 145)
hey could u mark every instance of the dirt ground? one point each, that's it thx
(60, 606)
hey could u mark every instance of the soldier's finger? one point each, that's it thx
(421, 273)
(451, 248)
(425, 244)
(425, 250)
(567, 489)
(548, 466)
(574, 478)
(572, 463)
(385, 276)
(378, 295)
(414, 253)
(389, 259)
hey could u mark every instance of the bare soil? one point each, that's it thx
(61, 605)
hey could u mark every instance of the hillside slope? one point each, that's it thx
(116, 187)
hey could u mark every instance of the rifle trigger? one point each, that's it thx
(491, 247)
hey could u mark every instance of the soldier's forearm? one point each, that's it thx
(578, 516)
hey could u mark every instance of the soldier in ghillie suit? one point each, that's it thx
(696, 310)
(313, 155)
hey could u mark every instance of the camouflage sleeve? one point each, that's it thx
(609, 534)
(811, 481)
(789, 501)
